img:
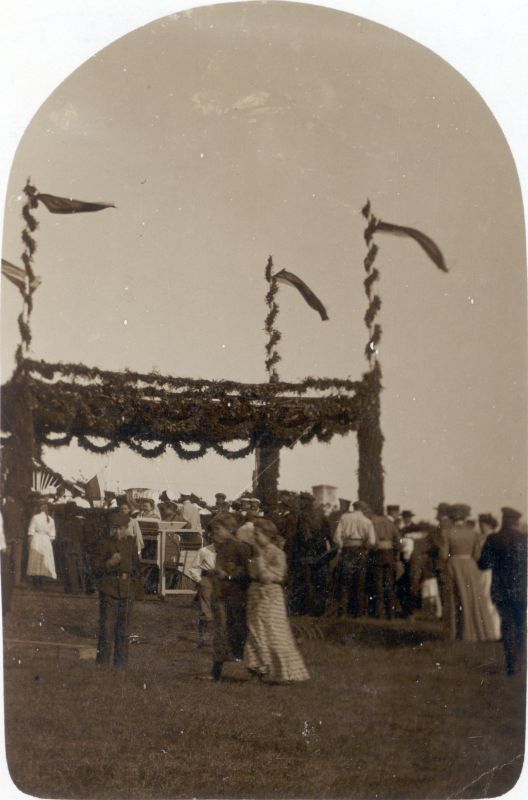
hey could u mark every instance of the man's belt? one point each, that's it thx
(353, 543)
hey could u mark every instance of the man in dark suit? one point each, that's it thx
(313, 539)
(505, 554)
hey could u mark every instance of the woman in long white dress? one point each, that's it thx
(41, 533)
(270, 652)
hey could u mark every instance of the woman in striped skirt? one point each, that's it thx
(270, 652)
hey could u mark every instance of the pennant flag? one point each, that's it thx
(18, 276)
(65, 205)
(94, 488)
(427, 244)
(311, 298)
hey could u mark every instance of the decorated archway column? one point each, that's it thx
(266, 477)
(267, 455)
(370, 445)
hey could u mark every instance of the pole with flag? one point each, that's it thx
(267, 457)
(27, 281)
(267, 454)
(22, 447)
(370, 436)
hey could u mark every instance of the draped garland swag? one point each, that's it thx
(151, 412)
(50, 405)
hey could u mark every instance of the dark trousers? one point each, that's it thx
(73, 571)
(408, 587)
(352, 596)
(7, 579)
(513, 626)
(385, 594)
(114, 619)
(307, 586)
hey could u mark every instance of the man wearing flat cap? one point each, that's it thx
(505, 554)
(116, 570)
(221, 505)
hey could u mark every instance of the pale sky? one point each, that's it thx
(238, 131)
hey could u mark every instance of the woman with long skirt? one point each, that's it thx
(41, 533)
(270, 652)
(466, 612)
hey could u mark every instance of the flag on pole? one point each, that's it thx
(66, 205)
(427, 244)
(18, 276)
(293, 280)
(94, 488)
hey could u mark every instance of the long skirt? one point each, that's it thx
(467, 614)
(270, 648)
(41, 561)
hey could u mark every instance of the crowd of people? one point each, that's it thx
(303, 558)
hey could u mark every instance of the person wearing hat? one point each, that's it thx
(488, 525)
(387, 549)
(116, 570)
(438, 537)
(190, 511)
(221, 505)
(70, 538)
(286, 520)
(505, 554)
(229, 597)
(313, 539)
(467, 616)
(354, 537)
(41, 534)
(414, 546)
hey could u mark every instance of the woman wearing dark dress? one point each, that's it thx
(230, 584)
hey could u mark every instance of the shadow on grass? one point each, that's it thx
(368, 632)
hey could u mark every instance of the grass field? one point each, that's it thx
(391, 712)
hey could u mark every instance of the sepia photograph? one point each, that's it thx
(263, 404)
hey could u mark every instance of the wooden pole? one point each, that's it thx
(267, 455)
(369, 434)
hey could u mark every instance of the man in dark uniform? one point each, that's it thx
(117, 570)
(71, 541)
(505, 554)
(313, 538)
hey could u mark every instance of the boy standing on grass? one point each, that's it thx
(202, 573)
(116, 570)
